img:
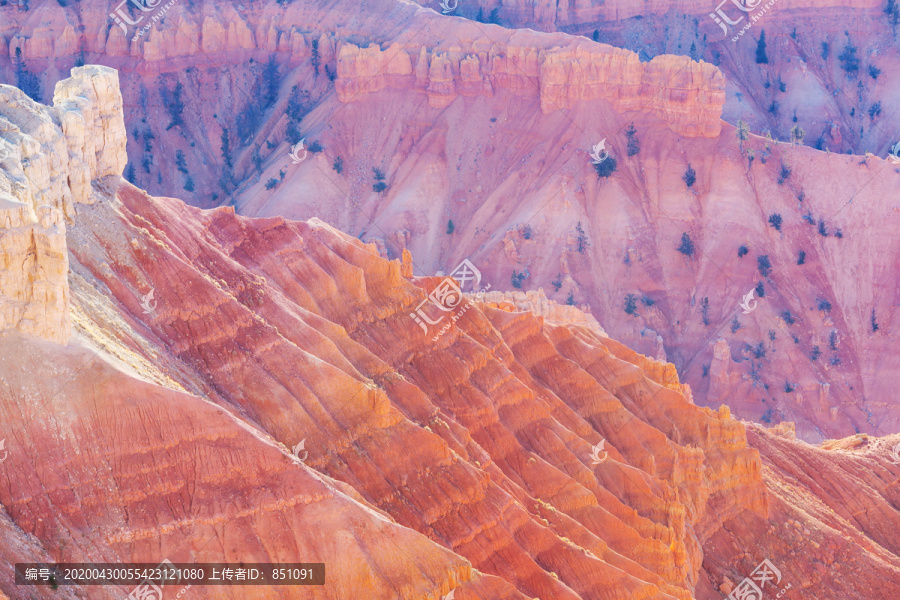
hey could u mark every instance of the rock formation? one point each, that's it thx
(490, 128)
(49, 158)
(686, 94)
(510, 458)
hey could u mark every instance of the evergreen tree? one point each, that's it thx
(761, 58)
(315, 56)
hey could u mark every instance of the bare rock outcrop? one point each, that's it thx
(49, 157)
(687, 95)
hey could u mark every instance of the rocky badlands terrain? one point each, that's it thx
(606, 423)
(142, 426)
(459, 139)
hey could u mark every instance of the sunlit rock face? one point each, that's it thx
(512, 450)
(49, 157)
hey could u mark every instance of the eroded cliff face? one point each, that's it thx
(490, 128)
(687, 95)
(507, 457)
(49, 157)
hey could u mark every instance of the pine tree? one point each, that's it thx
(315, 56)
(761, 58)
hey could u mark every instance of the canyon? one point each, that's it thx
(453, 139)
(152, 392)
(484, 131)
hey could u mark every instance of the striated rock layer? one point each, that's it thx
(687, 94)
(494, 454)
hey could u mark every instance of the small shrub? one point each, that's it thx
(775, 221)
(764, 265)
(823, 231)
(596, 35)
(834, 361)
(788, 318)
(557, 283)
(338, 165)
(758, 351)
(848, 58)
(705, 370)
(180, 162)
(189, 184)
(824, 305)
(379, 185)
(833, 340)
(526, 232)
(815, 353)
(315, 147)
(742, 251)
(606, 168)
(735, 324)
(570, 299)
(789, 387)
(687, 246)
(825, 48)
(634, 145)
(704, 310)
(760, 289)
(874, 322)
(874, 71)
(874, 110)
(801, 257)
(838, 233)
(690, 176)
(784, 174)
(517, 279)
(270, 184)
(647, 300)
(450, 227)
(631, 305)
